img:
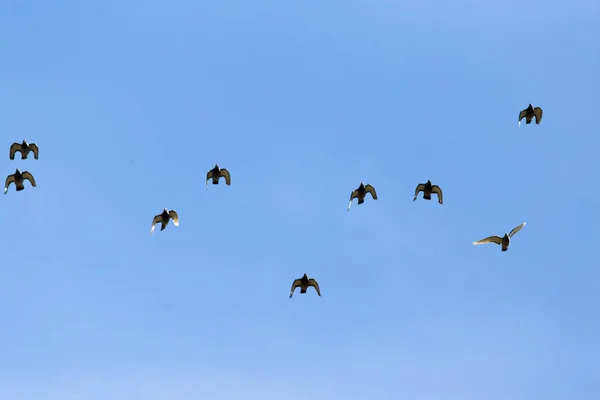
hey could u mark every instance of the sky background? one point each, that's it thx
(132, 102)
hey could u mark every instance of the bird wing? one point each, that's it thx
(437, 190)
(155, 221)
(225, 174)
(516, 229)
(312, 282)
(354, 194)
(522, 115)
(13, 149)
(27, 175)
(208, 176)
(491, 239)
(295, 284)
(35, 150)
(537, 112)
(174, 217)
(371, 189)
(420, 188)
(9, 179)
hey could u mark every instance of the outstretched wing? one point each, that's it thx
(516, 229)
(371, 189)
(437, 190)
(156, 220)
(13, 149)
(522, 115)
(491, 239)
(27, 175)
(420, 188)
(9, 179)
(174, 217)
(208, 176)
(33, 147)
(537, 112)
(353, 195)
(225, 174)
(295, 284)
(313, 283)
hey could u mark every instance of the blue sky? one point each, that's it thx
(131, 102)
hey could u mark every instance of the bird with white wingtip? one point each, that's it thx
(164, 218)
(503, 241)
(18, 178)
(360, 194)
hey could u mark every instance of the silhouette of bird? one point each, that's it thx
(18, 179)
(164, 218)
(24, 148)
(427, 189)
(529, 113)
(503, 241)
(217, 173)
(360, 194)
(304, 283)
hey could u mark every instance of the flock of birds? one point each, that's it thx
(215, 174)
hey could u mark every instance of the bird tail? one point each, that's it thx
(360, 201)
(20, 187)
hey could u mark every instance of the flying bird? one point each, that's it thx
(163, 218)
(217, 173)
(304, 283)
(18, 179)
(24, 148)
(360, 194)
(503, 241)
(529, 113)
(427, 189)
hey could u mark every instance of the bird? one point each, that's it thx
(18, 179)
(163, 218)
(24, 148)
(217, 173)
(503, 241)
(360, 194)
(427, 189)
(529, 113)
(304, 283)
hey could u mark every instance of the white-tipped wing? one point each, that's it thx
(295, 284)
(33, 147)
(13, 149)
(313, 283)
(491, 239)
(516, 229)
(537, 112)
(437, 190)
(27, 175)
(420, 188)
(9, 179)
(522, 114)
(174, 217)
(371, 189)
(225, 174)
(155, 221)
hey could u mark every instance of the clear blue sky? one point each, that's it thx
(131, 102)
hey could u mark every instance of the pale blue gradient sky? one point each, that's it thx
(131, 102)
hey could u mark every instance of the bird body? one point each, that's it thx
(304, 284)
(216, 173)
(503, 241)
(360, 194)
(164, 218)
(18, 178)
(428, 189)
(24, 148)
(529, 113)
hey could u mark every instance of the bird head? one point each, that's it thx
(305, 276)
(17, 171)
(25, 143)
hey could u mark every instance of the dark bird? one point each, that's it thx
(24, 148)
(18, 179)
(529, 113)
(427, 189)
(360, 194)
(304, 283)
(164, 218)
(503, 241)
(217, 173)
